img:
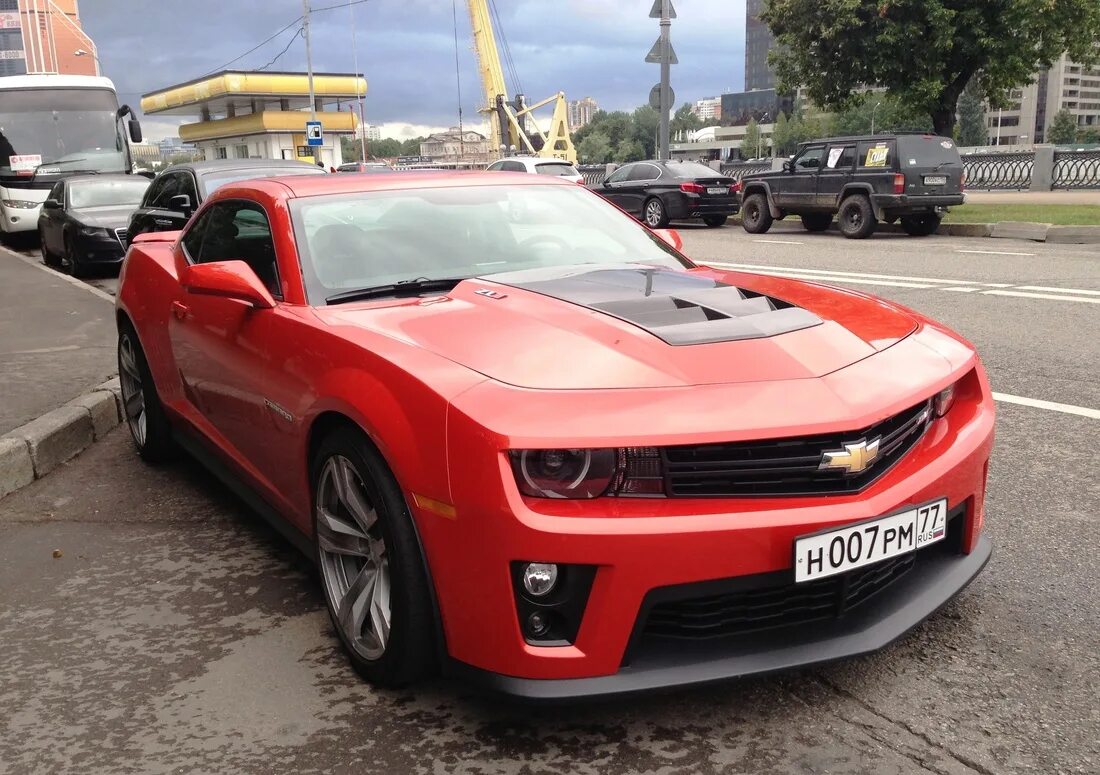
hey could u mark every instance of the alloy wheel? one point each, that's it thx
(133, 390)
(354, 564)
(653, 213)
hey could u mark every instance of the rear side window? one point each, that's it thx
(875, 154)
(644, 172)
(513, 166)
(928, 151)
(841, 157)
(554, 168)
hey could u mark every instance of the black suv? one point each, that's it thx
(863, 180)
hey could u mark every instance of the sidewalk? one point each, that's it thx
(976, 197)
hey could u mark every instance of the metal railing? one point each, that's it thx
(1076, 169)
(998, 171)
(739, 170)
(593, 174)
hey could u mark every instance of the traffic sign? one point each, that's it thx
(654, 55)
(314, 134)
(655, 97)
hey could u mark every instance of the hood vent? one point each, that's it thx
(678, 307)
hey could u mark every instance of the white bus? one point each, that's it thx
(53, 126)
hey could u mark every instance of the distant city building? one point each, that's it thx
(709, 108)
(1066, 85)
(44, 36)
(457, 147)
(761, 105)
(371, 131)
(758, 42)
(581, 112)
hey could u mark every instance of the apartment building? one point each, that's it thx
(581, 112)
(44, 36)
(708, 108)
(1066, 85)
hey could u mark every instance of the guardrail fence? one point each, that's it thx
(1076, 169)
(999, 171)
(1043, 169)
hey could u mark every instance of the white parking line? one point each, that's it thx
(1048, 296)
(866, 275)
(993, 252)
(1054, 290)
(1052, 406)
(778, 242)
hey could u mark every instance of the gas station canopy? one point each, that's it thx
(235, 92)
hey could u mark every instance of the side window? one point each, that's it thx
(169, 187)
(841, 157)
(153, 191)
(619, 175)
(192, 240)
(875, 154)
(514, 166)
(239, 230)
(187, 186)
(496, 166)
(347, 167)
(57, 193)
(644, 172)
(810, 159)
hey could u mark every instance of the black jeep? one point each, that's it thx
(862, 180)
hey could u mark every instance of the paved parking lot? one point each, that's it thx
(176, 632)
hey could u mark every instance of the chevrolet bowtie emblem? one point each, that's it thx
(855, 457)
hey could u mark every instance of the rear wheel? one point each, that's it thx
(654, 213)
(141, 405)
(817, 221)
(920, 225)
(755, 216)
(857, 219)
(372, 570)
(714, 221)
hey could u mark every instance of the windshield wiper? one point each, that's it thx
(62, 160)
(400, 288)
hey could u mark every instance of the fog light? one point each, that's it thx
(537, 624)
(539, 578)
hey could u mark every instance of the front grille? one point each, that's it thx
(789, 466)
(751, 605)
(120, 235)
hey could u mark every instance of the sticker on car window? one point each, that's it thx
(876, 156)
(834, 157)
(946, 144)
(912, 162)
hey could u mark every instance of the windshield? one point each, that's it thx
(60, 131)
(560, 169)
(216, 180)
(366, 239)
(107, 193)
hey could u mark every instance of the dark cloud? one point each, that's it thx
(406, 48)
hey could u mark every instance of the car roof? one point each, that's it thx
(535, 160)
(202, 167)
(296, 186)
(858, 138)
(108, 176)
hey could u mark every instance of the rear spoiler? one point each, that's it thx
(156, 236)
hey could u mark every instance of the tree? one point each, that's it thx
(386, 148)
(972, 123)
(781, 136)
(882, 113)
(1089, 136)
(411, 147)
(594, 148)
(752, 142)
(629, 150)
(924, 51)
(1063, 129)
(685, 120)
(646, 120)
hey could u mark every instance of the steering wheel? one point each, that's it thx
(544, 239)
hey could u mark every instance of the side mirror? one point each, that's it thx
(134, 127)
(229, 280)
(52, 204)
(788, 165)
(181, 203)
(670, 237)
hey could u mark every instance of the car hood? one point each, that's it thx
(104, 217)
(636, 327)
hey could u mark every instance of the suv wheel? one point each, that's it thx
(920, 225)
(817, 221)
(857, 219)
(755, 216)
(655, 215)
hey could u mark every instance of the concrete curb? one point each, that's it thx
(33, 450)
(1036, 232)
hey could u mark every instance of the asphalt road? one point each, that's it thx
(176, 632)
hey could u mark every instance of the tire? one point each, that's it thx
(367, 548)
(817, 221)
(857, 219)
(755, 216)
(71, 262)
(48, 258)
(714, 221)
(654, 214)
(920, 225)
(141, 406)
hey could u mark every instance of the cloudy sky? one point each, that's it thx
(406, 50)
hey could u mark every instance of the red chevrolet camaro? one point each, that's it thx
(529, 442)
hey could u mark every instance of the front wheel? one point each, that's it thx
(372, 569)
(714, 221)
(920, 225)
(71, 260)
(756, 218)
(141, 405)
(48, 258)
(655, 215)
(857, 219)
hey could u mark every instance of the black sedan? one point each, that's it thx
(661, 191)
(180, 189)
(82, 223)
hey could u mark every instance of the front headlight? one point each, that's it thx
(941, 404)
(588, 473)
(94, 231)
(21, 204)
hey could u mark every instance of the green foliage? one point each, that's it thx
(386, 148)
(1089, 136)
(411, 147)
(629, 150)
(646, 121)
(924, 51)
(789, 132)
(1063, 129)
(752, 142)
(684, 120)
(972, 123)
(594, 148)
(884, 113)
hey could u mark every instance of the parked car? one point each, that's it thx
(913, 178)
(537, 165)
(537, 446)
(179, 190)
(82, 223)
(661, 191)
(365, 166)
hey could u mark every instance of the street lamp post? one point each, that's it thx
(873, 112)
(759, 134)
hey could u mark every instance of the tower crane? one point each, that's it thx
(509, 121)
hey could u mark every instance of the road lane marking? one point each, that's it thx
(854, 281)
(777, 242)
(993, 252)
(1049, 296)
(1052, 406)
(1052, 289)
(961, 289)
(868, 275)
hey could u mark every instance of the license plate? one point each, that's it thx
(718, 190)
(935, 180)
(836, 551)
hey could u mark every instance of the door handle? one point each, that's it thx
(180, 310)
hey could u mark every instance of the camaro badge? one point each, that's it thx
(855, 457)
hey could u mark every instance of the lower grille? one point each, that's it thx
(120, 235)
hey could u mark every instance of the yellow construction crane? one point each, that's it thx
(512, 125)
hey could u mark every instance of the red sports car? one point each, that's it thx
(529, 442)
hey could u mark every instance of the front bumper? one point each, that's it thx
(19, 219)
(98, 249)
